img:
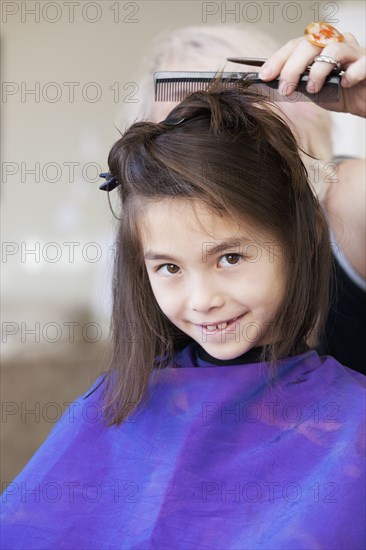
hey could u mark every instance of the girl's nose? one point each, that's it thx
(204, 295)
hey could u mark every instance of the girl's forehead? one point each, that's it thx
(179, 217)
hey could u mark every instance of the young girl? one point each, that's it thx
(339, 182)
(216, 426)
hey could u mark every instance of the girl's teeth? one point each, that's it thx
(215, 327)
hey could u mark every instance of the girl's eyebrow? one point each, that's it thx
(208, 249)
(151, 255)
(213, 249)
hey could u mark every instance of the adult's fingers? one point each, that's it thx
(289, 62)
(297, 62)
(350, 39)
(355, 73)
(274, 64)
(345, 53)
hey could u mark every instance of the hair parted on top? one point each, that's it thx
(236, 155)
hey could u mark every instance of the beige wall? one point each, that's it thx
(46, 134)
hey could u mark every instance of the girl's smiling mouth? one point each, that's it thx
(220, 325)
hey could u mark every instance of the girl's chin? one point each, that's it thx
(225, 354)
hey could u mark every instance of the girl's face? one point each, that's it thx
(210, 277)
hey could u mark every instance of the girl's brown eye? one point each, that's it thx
(165, 269)
(232, 259)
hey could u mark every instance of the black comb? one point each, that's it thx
(176, 85)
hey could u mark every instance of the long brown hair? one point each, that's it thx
(229, 149)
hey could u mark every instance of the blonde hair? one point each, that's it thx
(206, 48)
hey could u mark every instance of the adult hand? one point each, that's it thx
(294, 57)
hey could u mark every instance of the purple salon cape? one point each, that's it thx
(217, 460)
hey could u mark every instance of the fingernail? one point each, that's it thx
(289, 88)
(312, 87)
(345, 82)
(265, 71)
(281, 87)
(286, 88)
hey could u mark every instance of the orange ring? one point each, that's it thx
(321, 34)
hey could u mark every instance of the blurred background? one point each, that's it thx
(69, 69)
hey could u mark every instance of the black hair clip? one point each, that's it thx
(111, 182)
